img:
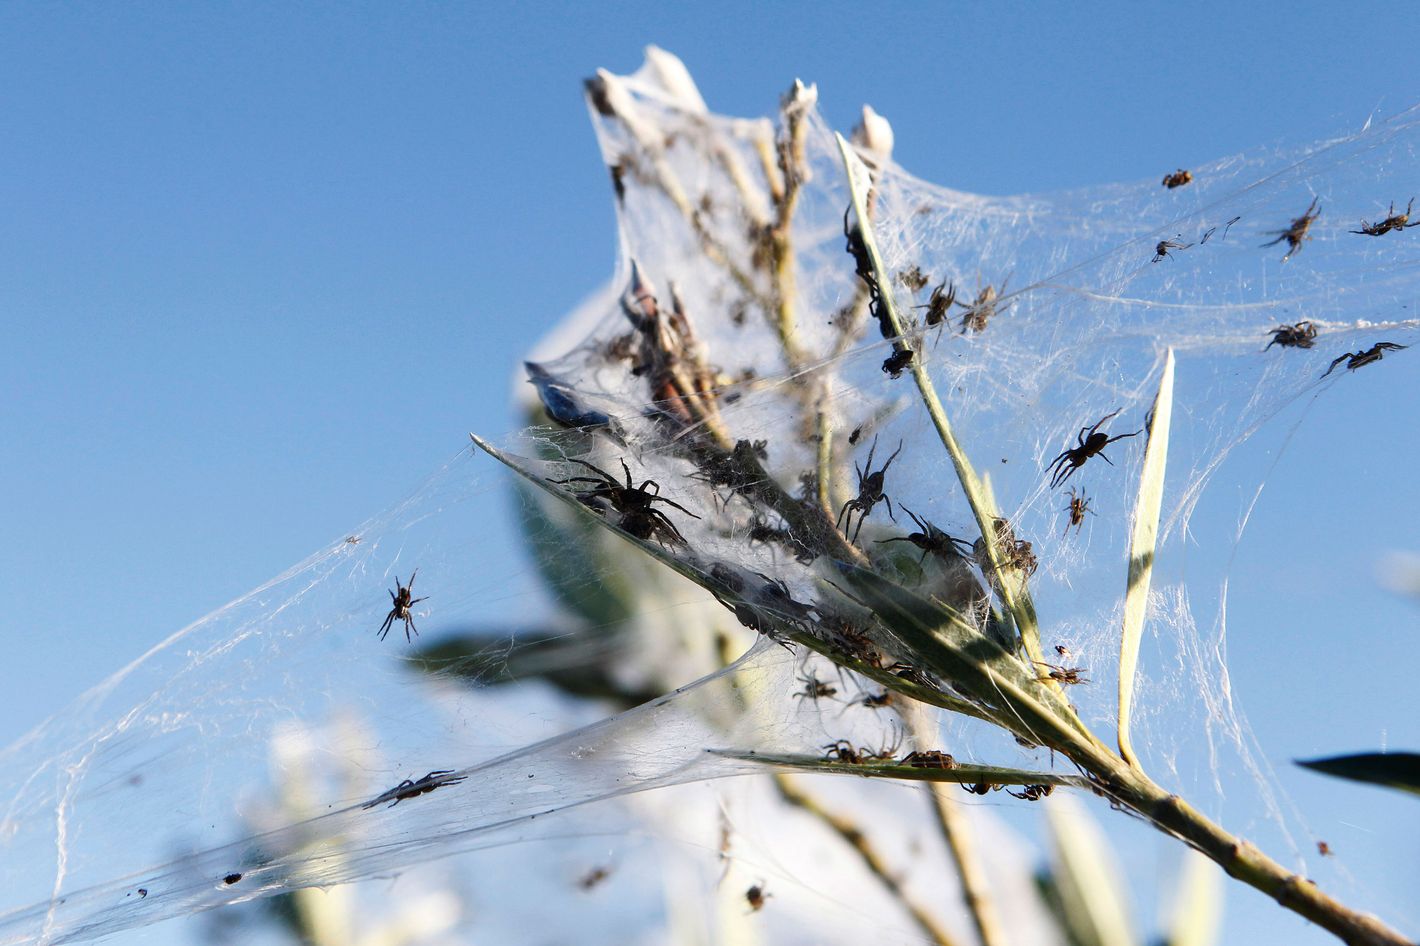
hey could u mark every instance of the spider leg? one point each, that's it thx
(627, 470)
(889, 505)
(642, 488)
(385, 627)
(1338, 360)
(672, 503)
(892, 458)
(1105, 458)
(417, 600)
(409, 626)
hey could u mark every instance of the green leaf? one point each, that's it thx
(1141, 552)
(1198, 905)
(1392, 769)
(961, 774)
(1091, 892)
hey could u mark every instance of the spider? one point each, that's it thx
(1067, 675)
(1393, 221)
(1079, 505)
(814, 688)
(593, 877)
(898, 361)
(1296, 234)
(876, 700)
(981, 788)
(844, 751)
(1323, 849)
(981, 310)
(929, 759)
(412, 789)
(1015, 553)
(939, 303)
(1359, 359)
(1300, 335)
(1092, 442)
(639, 518)
(756, 896)
(1178, 179)
(931, 540)
(1161, 249)
(870, 492)
(1032, 792)
(402, 600)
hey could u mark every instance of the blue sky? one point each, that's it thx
(263, 266)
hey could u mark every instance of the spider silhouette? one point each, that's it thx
(1296, 234)
(870, 492)
(1092, 442)
(402, 600)
(931, 540)
(1393, 221)
(412, 789)
(1359, 359)
(639, 517)
(1300, 335)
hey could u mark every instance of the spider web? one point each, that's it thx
(142, 800)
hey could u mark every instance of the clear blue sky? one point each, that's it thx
(263, 266)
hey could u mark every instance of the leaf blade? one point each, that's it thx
(1398, 770)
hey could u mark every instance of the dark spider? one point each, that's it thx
(857, 432)
(981, 788)
(1091, 443)
(1177, 178)
(1300, 335)
(402, 601)
(844, 751)
(1161, 250)
(1393, 221)
(929, 759)
(1296, 234)
(639, 518)
(870, 492)
(1359, 359)
(593, 877)
(756, 896)
(1067, 675)
(413, 789)
(1079, 505)
(876, 700)
(898, 361)
(939, 303)
(1032, 792)
(931, 540)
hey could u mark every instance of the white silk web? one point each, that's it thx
(160, 793)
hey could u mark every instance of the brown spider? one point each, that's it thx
(939, 303)
(1300, 335)
(1015, 553)
(413, 789)
(981, 788)
(1323, 849)
(844, 751)
(1067, 675)
(1359, 359)
(1032, 792)
(402, 600)
(1393, 221)
(1177, 179)
(1161, 250)
(931, 540)
(870, 492)
(981, 310)
(639, 517)
(1296, 234)
(756, 896)
(1079, 505)
(814, 688)
(1091, 443)
(593, 877)
(876, 700)
(929, 759)
(897, 362)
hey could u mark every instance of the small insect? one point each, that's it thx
(870, 492)
(1066, 675)
(639, 517)
(814, 689)
(1300, 335)
(1324, 849)
(857, 432)
(929, 759)
(756, 896)
(1178, 178)
(142, 892)
(402, 600)
(413, 789)
(981, 788)
(931, 540)
(1064, 652)
(1079, 505)
(1296, 234)
(1393, 221)
(896, 363)
(593, 877)
(1359, 359)
(939, 303)
(352, 540)
(1092, 442)
(231, 879)
(1032, 792)
(1161, 249)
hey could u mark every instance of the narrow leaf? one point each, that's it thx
(1141, 552)
(1392, 769)
(1092, 897)
(1198, 904)
(962, 774)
